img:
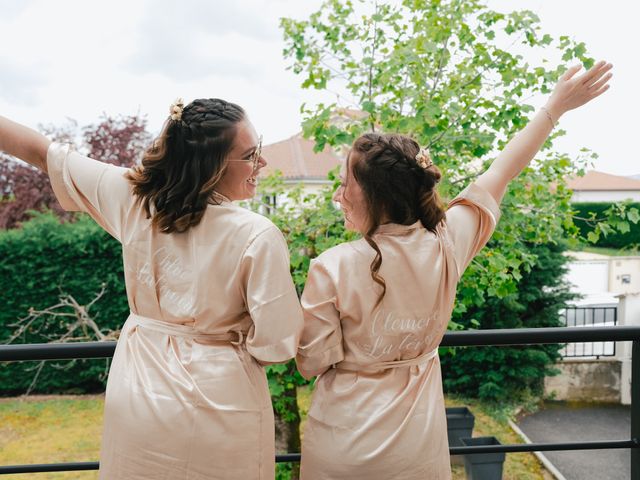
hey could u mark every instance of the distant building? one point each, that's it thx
(604, 187)
(600, 279)
(297, 161)
(299, 165)
(592, 274)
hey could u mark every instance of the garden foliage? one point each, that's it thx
(40, 261)
(589, 220)
(459, 78)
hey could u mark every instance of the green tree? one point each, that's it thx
(512, 372)
(437, 70)
(448, 73)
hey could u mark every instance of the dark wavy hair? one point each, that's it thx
(395, 187)
(180, 170)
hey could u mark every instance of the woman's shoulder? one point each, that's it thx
(242, 223)
(257, 221)
(344, 253)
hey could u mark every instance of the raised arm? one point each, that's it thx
(570, 92)
(23, 143)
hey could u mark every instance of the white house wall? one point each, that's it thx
(616, 275)
(624, 274)
(605, 196)
(589, 276)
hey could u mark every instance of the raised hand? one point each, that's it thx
(573, 91)
(570, 92)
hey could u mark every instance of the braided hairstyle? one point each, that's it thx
(395, 187)
(180, 170)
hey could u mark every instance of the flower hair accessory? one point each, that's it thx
(423, 158)
(175, 110)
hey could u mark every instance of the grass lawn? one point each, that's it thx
(51, 429)
(57, 429)
(517, 466)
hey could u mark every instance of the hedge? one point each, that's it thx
(44, 258)
(613, 240)
(510, 373)
(40, 261)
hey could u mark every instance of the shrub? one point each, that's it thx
(509, 373)
(613, 239)
(40, 261)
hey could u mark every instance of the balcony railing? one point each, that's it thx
(526, 336)
(589, 317)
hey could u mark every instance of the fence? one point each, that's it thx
(529, 336)
(589, 317)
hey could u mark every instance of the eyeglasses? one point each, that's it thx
(254, 158)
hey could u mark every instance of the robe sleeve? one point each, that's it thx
(82, 184)
(271, 299)
(321, 342)
(471, 219)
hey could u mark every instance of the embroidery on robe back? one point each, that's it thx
(166, 273)
(396, 335)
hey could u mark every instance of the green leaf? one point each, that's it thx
(623, 227)
(368, 106)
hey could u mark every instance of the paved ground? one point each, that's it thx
(559, 422)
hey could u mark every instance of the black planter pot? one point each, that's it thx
(460, 423)
(483, 466)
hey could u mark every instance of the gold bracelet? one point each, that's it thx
(544, 109)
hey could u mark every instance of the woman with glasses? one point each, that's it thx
(377, 308)
(209, 289)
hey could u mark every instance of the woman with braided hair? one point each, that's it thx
(209, 289)
(377, 308)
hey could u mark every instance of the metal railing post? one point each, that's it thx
(635, 409)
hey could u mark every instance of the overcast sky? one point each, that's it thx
(79, 59)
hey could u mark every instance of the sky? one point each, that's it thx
(79, 60)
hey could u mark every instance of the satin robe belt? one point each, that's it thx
(235, 337)
(376, 367)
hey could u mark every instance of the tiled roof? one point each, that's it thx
(297, 160)
(602, 181)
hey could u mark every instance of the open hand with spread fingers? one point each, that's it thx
(573, 91)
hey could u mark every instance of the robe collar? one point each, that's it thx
(397, 229)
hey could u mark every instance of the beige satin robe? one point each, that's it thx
(379, 414)
(187, 397)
